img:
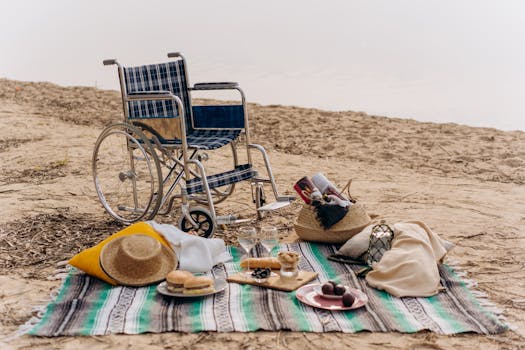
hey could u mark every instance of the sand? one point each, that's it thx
(466, 183)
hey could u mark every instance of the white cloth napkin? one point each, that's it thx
(195, 254)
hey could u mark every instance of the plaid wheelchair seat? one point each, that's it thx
(240, 173)
(206, 139)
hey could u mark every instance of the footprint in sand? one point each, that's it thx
(425, 346)
(513, 162)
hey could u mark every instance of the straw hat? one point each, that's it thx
(137, 260)
(308, 228)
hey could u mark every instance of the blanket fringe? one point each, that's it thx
(38, 311)
(481, 297)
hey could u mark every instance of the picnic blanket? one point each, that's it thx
(87, 306)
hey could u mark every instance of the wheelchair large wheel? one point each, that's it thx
(219, 194)
(202, 217)
(127, 174)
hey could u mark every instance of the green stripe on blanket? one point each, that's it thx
(87, 306)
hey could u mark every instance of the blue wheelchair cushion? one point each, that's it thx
(225, 116)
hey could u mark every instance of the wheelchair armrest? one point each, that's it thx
(215, 86)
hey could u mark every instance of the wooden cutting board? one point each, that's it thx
(275, 282)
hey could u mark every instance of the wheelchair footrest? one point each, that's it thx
(275, 205)
(240, 173)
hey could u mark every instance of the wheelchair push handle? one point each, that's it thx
(109, 62)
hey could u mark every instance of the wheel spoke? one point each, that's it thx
(126, 176)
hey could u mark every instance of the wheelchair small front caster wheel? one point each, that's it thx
(202, 217)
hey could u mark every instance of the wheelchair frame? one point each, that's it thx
(176, 157)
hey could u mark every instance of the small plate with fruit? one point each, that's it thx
(332, 290)
(313, 295)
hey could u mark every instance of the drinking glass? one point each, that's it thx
(247, 238)
(269, 238)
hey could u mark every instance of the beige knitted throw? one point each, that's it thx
(410, 267)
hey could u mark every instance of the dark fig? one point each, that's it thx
(332, 283)
(339, 289)
(348, 299)
(327, 289)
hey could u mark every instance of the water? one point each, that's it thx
(441, 61)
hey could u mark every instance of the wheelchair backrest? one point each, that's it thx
(169, 76)
(172, 76)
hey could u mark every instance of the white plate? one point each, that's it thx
(318, 289)
(219, 285)
(309, 296)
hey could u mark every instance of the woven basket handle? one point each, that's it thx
(347, 188)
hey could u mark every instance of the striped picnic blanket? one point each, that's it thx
(87, 306)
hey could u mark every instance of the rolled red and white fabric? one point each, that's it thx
(325, 186)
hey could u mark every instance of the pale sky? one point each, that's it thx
(458, 61)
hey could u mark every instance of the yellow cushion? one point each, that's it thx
(88, 259)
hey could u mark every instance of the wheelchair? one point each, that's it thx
(158, 154)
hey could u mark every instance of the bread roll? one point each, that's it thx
(198, 282)
(198, 285)
(269, 262)
(178, 276)
(175, 280)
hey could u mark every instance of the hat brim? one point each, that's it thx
(108, 255)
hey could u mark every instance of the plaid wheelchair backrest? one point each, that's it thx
(169, 76)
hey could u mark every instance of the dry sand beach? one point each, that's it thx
(466, 183)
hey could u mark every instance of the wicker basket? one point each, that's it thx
(308, 228)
